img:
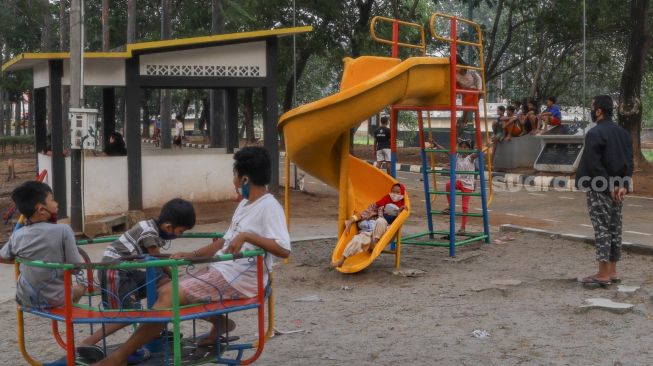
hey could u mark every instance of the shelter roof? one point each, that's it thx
(30, 60)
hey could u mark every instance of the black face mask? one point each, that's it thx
(593, 115)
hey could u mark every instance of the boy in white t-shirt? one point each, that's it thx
(258, 222)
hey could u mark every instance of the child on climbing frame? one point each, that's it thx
(464, 182)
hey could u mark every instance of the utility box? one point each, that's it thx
(83, 128)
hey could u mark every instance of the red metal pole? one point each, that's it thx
(261, 313)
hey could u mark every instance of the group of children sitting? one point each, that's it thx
(258, 221)
(520, 119)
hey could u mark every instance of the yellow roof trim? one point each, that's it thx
(217, 38)
(161, 44)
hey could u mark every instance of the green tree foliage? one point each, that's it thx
(532, 47)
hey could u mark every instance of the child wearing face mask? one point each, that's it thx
(40, 239)
(125, 288)
(387, 207)
(373, 222)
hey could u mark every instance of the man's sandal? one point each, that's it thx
(591, 280)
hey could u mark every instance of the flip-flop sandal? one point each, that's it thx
(202, 340)
(92, 353)
(139, 356)
(615, 279)
(169, 336)
(591, 280)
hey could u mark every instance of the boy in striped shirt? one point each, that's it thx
(125, 288)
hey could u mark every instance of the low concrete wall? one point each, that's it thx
(519, 152)
(195, 177)
(105, 185)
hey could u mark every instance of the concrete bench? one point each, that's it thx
(106, 226)
(519, 152)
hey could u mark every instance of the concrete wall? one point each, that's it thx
(196, 177)
(105, 185)
(519, 152)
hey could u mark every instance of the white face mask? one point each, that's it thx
(396, 197)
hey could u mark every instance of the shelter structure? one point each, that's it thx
(137, 181)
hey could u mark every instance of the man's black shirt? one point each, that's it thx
(608, 153)
(382, 138)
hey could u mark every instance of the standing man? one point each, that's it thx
(382, 145)
(605, 173)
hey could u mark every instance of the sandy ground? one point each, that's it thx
(379, 318)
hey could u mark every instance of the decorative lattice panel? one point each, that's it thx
(203, 70)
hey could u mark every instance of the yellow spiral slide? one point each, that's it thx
(317, 134)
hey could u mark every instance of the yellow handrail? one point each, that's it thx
(376, 38)
(481, 69)
(435, 34)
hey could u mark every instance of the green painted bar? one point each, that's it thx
(443, 244)
(458, 172)
(110, 239)
(447, 151)
(176, 317)
(131, 265)
(457, 193)
(457, 214)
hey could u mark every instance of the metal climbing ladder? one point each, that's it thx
(428, 238)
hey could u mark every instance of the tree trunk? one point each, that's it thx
(62, 25)
(248, 112)
(630, 103)
(184, 107)
(538, 75)
(105, 26)
(304, 55)
(65, 106)
(3, 131)
(30, 112)
(361, 26)
(2, 113)
(131, 21)
(217, 16)
(7, 109)
(46, 33)
(17, 119)
(145, 105)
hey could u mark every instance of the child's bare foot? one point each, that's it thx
(508, 138)
(338, 263)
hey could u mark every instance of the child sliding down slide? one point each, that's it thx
(373, 222)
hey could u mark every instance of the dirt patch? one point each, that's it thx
(378, 318)
(25, 169)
